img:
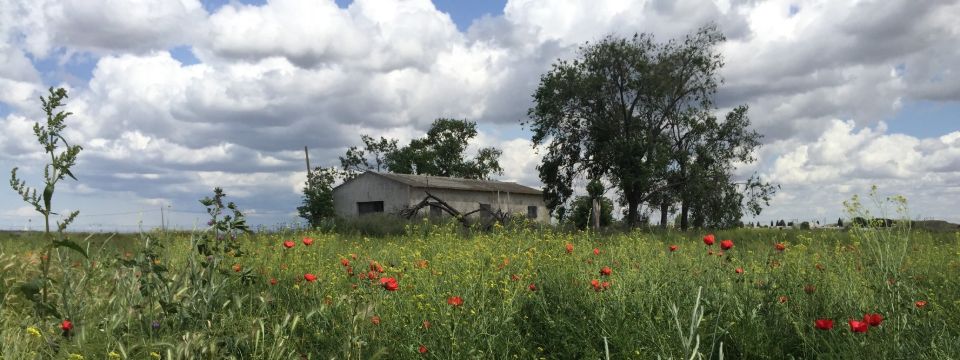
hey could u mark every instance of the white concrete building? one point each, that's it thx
(374, 192)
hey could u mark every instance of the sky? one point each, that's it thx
(171, 98)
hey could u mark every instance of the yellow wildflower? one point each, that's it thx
(75, 357)
(113, 355)
(33, 331)
(154, 355)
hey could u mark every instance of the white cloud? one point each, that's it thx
(846, 159)
(104, 25)
(289, 73)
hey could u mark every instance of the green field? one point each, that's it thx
(139, 299)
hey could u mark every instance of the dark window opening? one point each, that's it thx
(531, 212)
(369, 207)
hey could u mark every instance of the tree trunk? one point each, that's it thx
(632, 205)
(596, 214)
(684, 214)
(664, 209)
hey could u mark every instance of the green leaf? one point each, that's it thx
(46, 309)
(71, 245)
(47, 195)
(169, 308)
(31, 289)
(70, 174)
(128, 263)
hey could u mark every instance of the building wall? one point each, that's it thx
(370, 187)
(465, 201)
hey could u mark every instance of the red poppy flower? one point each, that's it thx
(595, 283)
(422, 349)
(782, 299)
(237, 268)
(920, 304)
(375, 320)
(858, 326)
(824, 324)
(273, 281)
(309, 277)
(372, 275)
(66, 325)
(726, 244)
(605, 271)
(532, 287)
(390, 284)
(873, 319)
(307, 241)
(515, 277)
(344, 262)
(375, 266)
(596, 251)
(673, 248)
(349, 271)
(288, 244)
(605, 284)
(455, 301)
(426, 324)
(780, 247)
(569, 248)
(709, 239)
(739, 270)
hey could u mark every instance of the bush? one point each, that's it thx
(372, 225)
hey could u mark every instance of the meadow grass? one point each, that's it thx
(154, 296)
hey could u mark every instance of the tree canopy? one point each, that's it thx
(640, 115)
(441, 152)
(317, 203)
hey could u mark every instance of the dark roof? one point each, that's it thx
(440, 182)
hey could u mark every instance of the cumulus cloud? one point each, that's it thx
(820, 77)
(104, 25)
(847, 160)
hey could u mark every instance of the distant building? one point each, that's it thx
(375, 192)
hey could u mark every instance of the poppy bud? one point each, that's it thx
(858, 326)
(824, 324)
(726, 244)
(709, 239)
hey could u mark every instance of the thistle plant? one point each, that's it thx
(50, 137)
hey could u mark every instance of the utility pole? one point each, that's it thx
(307, 153)
(163, 223)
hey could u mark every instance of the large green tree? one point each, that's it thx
(637, 113)
(373, 156)
(317, 203)
(441, 152)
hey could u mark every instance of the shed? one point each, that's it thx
(377, 192)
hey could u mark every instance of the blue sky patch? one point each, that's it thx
(924, 119)
(184, 54)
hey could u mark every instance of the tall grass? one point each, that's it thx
(161, 299)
